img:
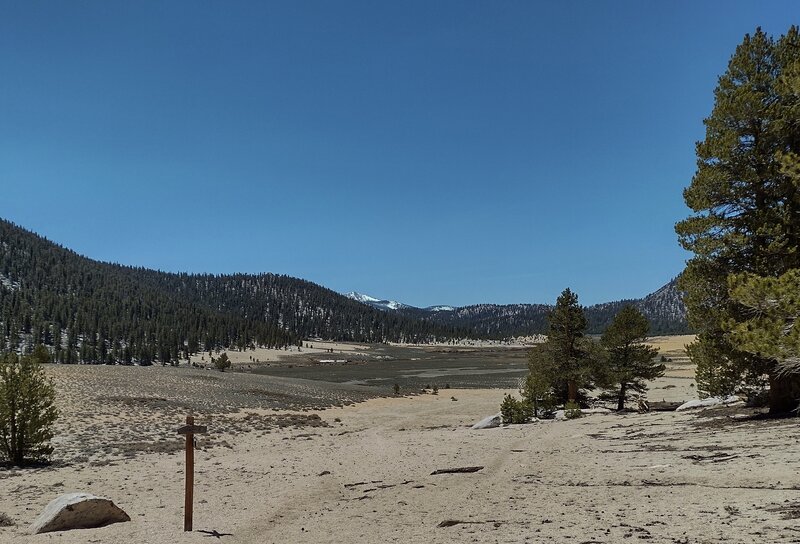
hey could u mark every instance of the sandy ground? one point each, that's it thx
(362, 473)
(678, 382)
(517, 341)
(671, 344)
(266, 355)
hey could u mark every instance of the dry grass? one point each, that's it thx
(671, 344)
(112, 413)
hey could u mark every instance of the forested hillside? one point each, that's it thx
(664, 309)
(496, 321)
(90, 311)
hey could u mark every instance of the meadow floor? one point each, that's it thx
(290, 460)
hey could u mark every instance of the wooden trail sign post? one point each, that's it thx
(189, 430)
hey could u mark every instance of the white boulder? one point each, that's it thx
(78, 511)
(489, 422)
(707, 403)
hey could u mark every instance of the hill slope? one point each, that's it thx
(99, 312)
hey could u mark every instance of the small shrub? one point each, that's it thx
(435, 389)
(508, 409)
(27, 410)
(222, 362)
(6, 521)
(756, 398)
(41, 354)
(396, 389)
(663, 358)
(515, 411)
(572, 410)
(447, 386)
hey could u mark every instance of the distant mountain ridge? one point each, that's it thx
(664, 309)
(96, 312)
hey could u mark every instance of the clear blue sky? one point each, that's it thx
(431, 152)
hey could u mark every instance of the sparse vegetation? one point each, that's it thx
(567, 362)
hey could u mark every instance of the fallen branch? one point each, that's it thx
(364, 483)
(457, 470)
(662, 406)
(451, 522)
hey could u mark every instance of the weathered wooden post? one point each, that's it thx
(189, 430)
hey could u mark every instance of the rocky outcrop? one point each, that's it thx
(78, 511)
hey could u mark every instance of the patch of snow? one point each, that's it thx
(707, 403)
(7, 283)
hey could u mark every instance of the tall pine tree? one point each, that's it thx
(746, 211)
(630, 362)
(566, 343)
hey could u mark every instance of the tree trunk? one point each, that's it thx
(621, 399)
(784, 393)
(572, 391)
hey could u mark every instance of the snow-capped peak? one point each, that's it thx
(366, 299)
(440, 308)
(381, 304)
